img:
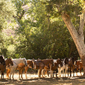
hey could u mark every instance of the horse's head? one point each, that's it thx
(59, 63)
(66, 61)
(9, 61)
(30, 63)
(1, 57)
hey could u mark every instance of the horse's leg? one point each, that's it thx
(39, 73)
(73, 72)
(65, 71)
(59, 72)
(26, 68)
(56, 73)
(76, 71)
(2, 75)
(42, 73)
(45, 72)
(21, 76)
(80, 71)
(13, 76)
(21, 73)
(26, 75)
(63, 68)
(70, 71)
(10, 76)
(8, 71)
(51, 72)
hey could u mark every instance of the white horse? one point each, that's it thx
(14, 67)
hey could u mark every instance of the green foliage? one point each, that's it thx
(40, 31)
(43, 35)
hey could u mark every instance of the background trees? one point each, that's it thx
(39, 31)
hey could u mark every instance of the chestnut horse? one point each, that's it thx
(79, 66)
(21, 68)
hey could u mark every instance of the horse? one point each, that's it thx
(79, 66)
(59, 65)
(3, 64)
(29, 65)
(48, 64)
(71, 65)
(8, 62)
(2, 60)
(40, 65)
(21, 67)
(12, 69)
(34, 64)
(54, 68)
(65, 66)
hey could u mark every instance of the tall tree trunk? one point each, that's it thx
(77, 36)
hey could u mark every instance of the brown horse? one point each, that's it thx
(9, 62)
(79, 66)
(29, 65)
(71, 65)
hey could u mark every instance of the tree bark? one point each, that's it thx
(77, 36)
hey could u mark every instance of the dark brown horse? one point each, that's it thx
(3, 65)
(71, 65)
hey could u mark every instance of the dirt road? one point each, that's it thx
(34, 80)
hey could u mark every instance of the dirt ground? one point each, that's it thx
(32, 79)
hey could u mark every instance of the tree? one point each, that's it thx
(40, 35)
(69, 10)
(6, 12)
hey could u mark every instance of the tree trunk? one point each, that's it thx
(77, 36)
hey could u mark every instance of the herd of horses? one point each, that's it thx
(45, 67)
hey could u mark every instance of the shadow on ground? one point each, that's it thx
(45, 81)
